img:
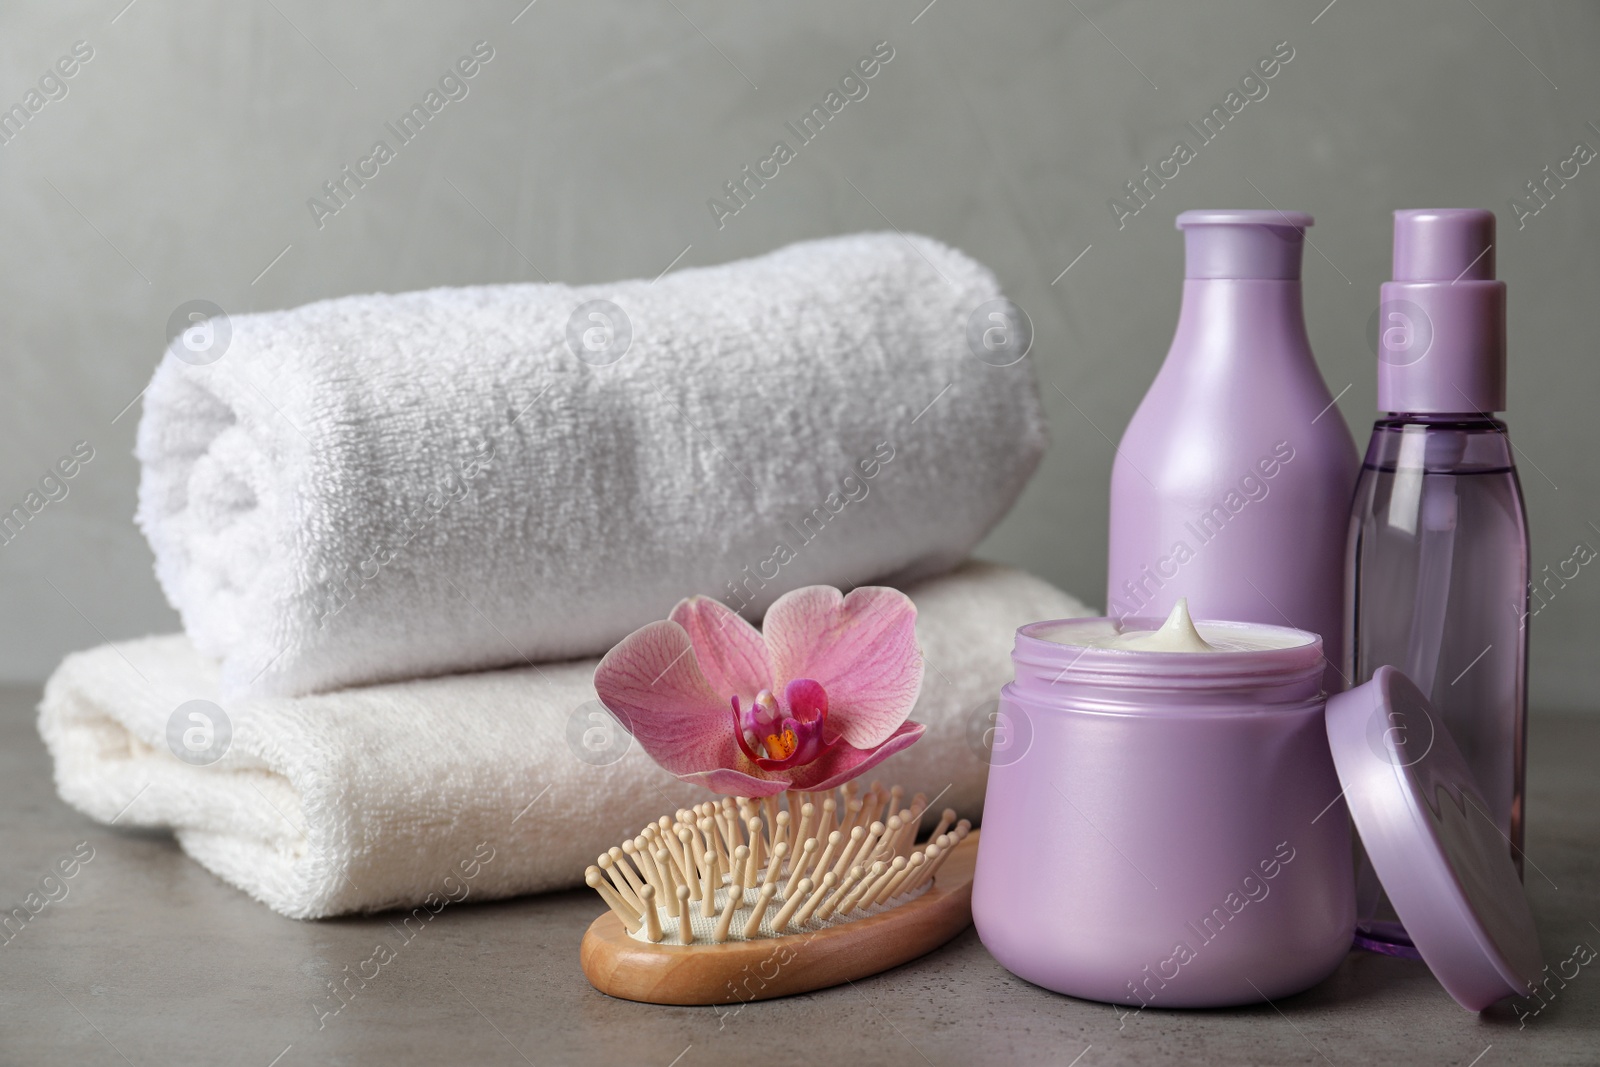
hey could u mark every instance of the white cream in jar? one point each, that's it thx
(1179, 633)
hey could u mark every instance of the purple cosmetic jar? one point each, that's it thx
(1165, 829)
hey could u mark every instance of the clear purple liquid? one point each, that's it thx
(1438, 573)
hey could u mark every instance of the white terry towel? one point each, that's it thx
(369, 798)
(381, 487)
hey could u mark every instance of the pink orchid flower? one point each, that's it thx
(816, 697)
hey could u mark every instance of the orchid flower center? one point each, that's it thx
(777, 734)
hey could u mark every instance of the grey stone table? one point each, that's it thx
(150, 960)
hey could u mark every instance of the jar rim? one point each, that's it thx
(1142, 666)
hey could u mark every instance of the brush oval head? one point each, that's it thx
(758, 901)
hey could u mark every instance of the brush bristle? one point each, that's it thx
(815, 858)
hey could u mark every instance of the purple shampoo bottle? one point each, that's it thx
(1233, 481)
(1438, 543)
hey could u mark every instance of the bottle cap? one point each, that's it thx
(1442, 859)
(1243, 244)
(1442, 320)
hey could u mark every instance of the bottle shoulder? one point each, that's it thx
(1439, 444)
(1193, 438)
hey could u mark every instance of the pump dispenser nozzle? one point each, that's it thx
(1442, 320)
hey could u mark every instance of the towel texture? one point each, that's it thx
(379, 487)
(369, 798)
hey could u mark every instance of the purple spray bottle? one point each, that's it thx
(1233, 481)
(1438, 543)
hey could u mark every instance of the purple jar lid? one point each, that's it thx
(1443, 861)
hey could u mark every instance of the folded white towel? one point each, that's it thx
(381, 487)
(369, 798)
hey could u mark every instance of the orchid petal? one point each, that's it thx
(861, 648)
(730, 651)
(843, 762)
(653, 684)
(806, 699)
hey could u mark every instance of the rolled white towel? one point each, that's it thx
(381, 487)
(369, 798)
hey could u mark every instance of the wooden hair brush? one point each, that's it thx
(741, 899)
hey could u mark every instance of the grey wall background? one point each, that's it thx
(179, 164)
